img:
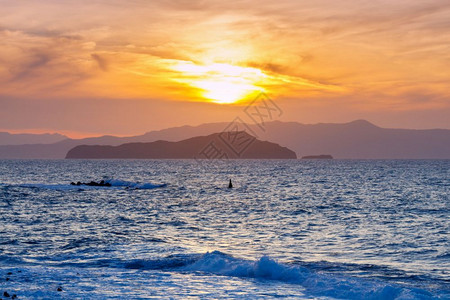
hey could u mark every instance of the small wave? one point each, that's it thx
(443, 255)
(56, 187)
(78, 243)
(9, 242)
(166, 263)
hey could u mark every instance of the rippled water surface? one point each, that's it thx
(172, 229)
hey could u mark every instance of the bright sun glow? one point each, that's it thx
(221, 83)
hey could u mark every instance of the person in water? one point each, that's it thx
(230, 185)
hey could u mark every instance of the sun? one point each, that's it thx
(219, 82)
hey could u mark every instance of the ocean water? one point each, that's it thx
(171, 229)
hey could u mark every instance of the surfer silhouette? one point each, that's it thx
(230, 185)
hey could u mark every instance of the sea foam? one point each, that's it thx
(134, 185)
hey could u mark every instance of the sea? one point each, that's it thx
(172, 229)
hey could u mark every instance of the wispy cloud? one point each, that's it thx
(375, 51)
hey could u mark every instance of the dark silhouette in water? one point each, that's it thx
(230, 185)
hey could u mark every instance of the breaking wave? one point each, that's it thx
(314, 282)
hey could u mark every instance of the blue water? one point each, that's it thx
(172, 229)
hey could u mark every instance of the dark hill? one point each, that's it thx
(29, 138)
(234, 145)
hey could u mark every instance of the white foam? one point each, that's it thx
(135, 185)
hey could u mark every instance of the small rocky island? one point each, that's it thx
(321, 156)
(92, 183)
(224, 145)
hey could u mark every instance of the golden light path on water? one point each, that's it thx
(220, 82)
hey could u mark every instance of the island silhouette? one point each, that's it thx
(224, 145)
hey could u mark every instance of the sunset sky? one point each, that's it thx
(127, 67)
